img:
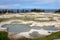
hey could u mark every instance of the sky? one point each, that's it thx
(29, 4)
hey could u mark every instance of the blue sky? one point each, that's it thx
(25, 4)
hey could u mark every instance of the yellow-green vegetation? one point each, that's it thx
(31, 17)
(3, 19)
(23, 17)
(27, 18)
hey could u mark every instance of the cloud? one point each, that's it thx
(15, 5)
(3, 6)
(37, 1)
(8, 6)
(29, 3)
(42, 1)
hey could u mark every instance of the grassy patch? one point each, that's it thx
(3, 35)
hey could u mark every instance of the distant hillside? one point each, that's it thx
(50, 10)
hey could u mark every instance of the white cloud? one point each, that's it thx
(30, 1)
(37, 1)
(15, 4)
(8, 6)
(44, 1)
(25, 3)
(3, 6)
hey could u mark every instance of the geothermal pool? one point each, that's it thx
(17, 28)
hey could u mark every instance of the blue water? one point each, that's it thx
(25, 27)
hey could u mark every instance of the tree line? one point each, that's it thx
(57, 11)
(3, 11)
(19, 11)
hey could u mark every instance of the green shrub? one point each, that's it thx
(3, 35)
